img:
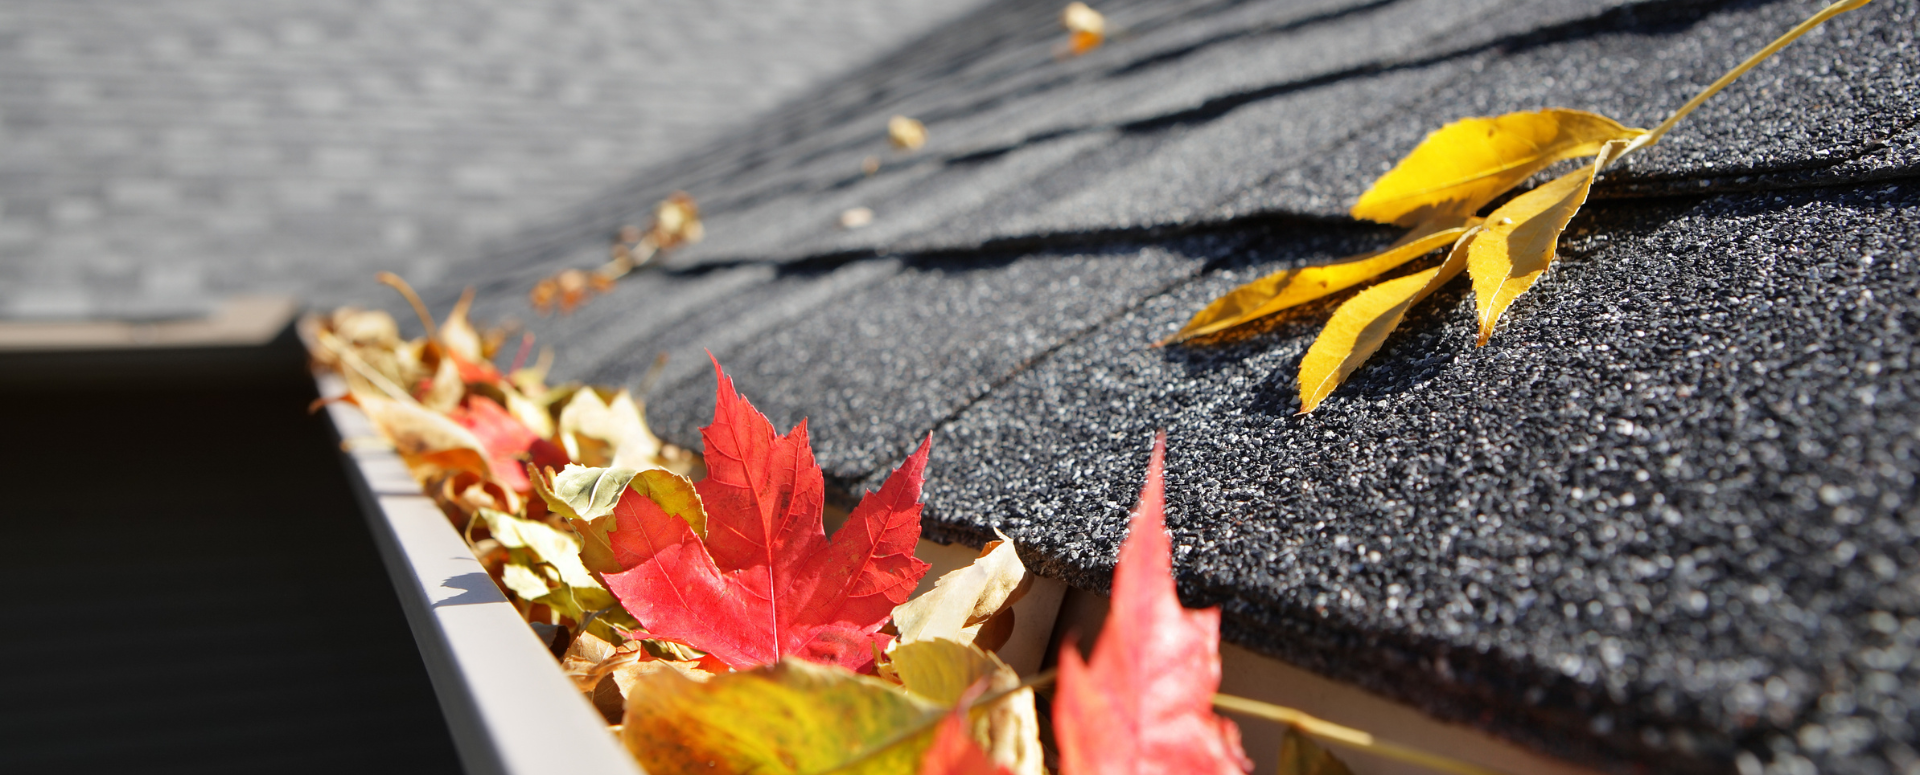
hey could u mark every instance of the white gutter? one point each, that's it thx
(510, 709)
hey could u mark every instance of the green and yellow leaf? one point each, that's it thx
(1292, 287)
(586, 497)
(1466, 164)
(1518, 241)
(787, 718)
(1359, 326)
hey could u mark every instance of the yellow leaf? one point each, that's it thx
(1517, 242)
(1464, 165)
(596, 432)
(906, 134)
(1360, 325)
(1292, 287)
(942, 670)
(524, 582)
(529, 413)
(550, 546)
(1086, 28)
(787, 718)
(961, 602)
(458, 334)
(446, 389)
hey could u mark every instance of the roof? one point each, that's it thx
(1662, 521)
(160, 156)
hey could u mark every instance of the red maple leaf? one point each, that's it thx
(765, 581)
(509, 443)
(1144, 702)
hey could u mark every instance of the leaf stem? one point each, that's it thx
(1781, 42)
(1347, 736)
(393, 281)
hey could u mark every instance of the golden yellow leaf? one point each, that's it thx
(1362, 324)
(942, 671)
(1517, 242)
(1292, 287)
(961, 602)
(1086, 28)
(906, 134)
(1464, 165)
(787, 718)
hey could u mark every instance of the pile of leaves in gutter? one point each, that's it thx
(1437, 192)
(701, 607)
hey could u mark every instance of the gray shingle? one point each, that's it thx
(1682, 472)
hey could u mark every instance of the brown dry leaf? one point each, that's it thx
(1464, 165)
(1519, 239)
(943, 670)
(963, 601)
(1362, 324)
(1292, 287)
(906, 134)
(607, 673)
(1086, 28)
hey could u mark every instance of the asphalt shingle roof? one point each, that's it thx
(1664, 520)
(157, 156)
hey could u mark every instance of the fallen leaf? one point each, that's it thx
(1292, 287)
(1143, 703)
(943, 671)
(443, 392)
(676, 222)
(508, 443)
(427, 441)
(611, 434)
(1520, 237)
(962, 601)
(1362, 323)
(587, 498)
(856, 218)
(459, 336)
(787, 718)
(1299, 755)
(1464, 165)
(765, 582)
(1086, 28)
(545, 567)
(906, 134)
(954, 751)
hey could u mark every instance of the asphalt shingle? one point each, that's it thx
(1663, 521)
